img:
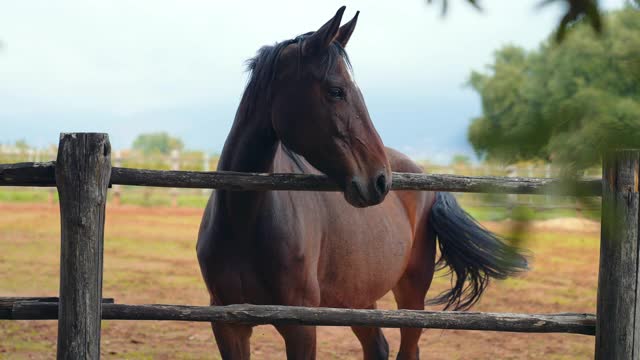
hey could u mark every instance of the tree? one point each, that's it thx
(22, 145)
(577, 10)
(567, 103)
(460, 160)
(159, 142)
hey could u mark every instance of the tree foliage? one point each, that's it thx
(159, 142)
(568, 103)
(576, 10)
(460, 160)
(22, 145)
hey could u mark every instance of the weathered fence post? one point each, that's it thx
(618, 317)
(83, 170)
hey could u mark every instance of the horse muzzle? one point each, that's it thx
(361, 192)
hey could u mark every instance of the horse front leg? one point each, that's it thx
(298, 287)
(374, 344)
(300, 341)
(233, 341)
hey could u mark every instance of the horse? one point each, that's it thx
(302, 112)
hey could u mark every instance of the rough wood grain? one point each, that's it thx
(28, 174)
(618, 326)
(272, 314)
(16, 299)
(7, 303)
(495, 184)
(83, 170)
(401, 181)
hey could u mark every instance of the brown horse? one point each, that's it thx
(302, 112)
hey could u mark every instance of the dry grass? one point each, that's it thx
(150, 258)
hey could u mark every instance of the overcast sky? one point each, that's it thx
(127, 67)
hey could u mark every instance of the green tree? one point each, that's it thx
(159, 142)
(22, 145)
(460, 160)
(576, 10)
(568, 103)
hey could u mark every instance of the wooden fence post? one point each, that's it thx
(618, 317)
(83, 170)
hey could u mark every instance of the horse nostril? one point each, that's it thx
(355, 185)
(381, 184)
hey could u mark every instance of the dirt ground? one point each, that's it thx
(150, 258)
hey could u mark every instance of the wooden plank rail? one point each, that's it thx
(40, 174)
(273, 314)
(28, 174)
(7, 303)
(10, 300)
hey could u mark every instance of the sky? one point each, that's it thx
(128, 67)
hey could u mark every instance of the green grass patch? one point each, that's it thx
(27, 195)
(161, 197)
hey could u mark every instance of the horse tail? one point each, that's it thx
(473, 254)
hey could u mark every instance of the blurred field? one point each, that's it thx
(481, 206)
(150, 258)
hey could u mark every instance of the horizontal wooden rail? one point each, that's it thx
(42, 174)
(7, 303)
(11, 300)
(272, 314)
(28, 174)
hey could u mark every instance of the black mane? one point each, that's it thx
(263, 66)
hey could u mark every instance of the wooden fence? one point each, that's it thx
(83, 173)
(202, 161)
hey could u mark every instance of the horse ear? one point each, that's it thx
(346, 30)
(321, 39)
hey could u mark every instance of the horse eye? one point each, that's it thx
(336, 92)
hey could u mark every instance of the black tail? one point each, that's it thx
(473, 253)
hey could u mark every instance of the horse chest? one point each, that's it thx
(364, 256)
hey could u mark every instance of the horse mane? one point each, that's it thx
(262, 67)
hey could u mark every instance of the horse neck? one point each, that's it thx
(251, 144)
(250, 147)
